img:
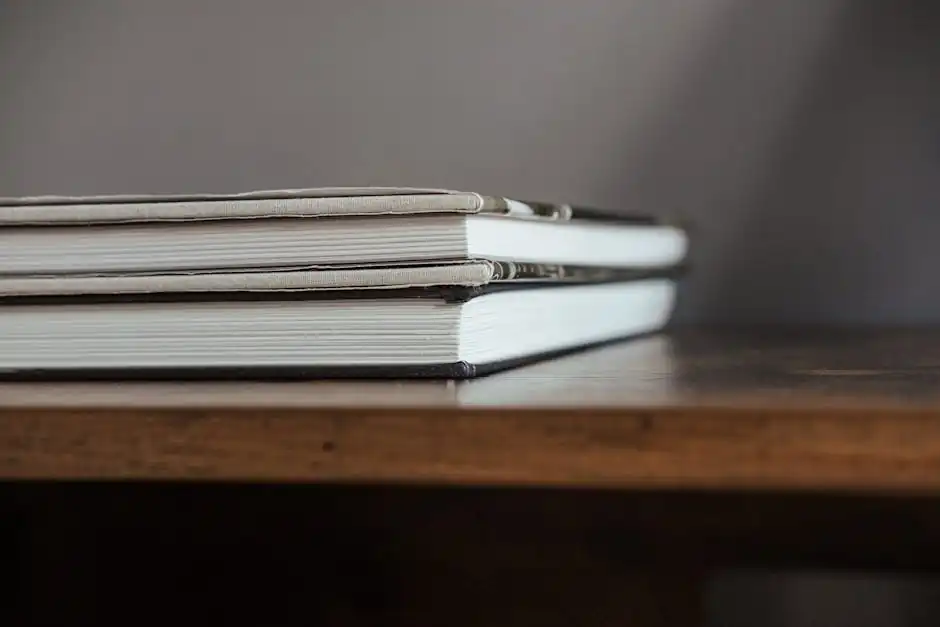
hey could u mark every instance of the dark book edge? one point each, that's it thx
(507, 276)
(460, 370)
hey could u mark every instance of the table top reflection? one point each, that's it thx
(793, 409)
(686, 368)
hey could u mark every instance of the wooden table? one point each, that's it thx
(595, 489)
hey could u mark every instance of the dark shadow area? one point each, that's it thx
(292, 555)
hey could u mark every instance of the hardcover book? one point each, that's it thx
(386, 282)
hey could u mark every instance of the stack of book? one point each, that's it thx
(372, 282)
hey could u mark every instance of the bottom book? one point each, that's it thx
(371, 335)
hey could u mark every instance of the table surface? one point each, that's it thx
(763, 409)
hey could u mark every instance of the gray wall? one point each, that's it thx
(800, 135)
(824, 599)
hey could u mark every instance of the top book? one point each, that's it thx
(318, 227)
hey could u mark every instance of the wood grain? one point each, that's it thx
(817, 410)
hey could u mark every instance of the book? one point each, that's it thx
(371, 282)
(606, 374)
(311, 228)
(394, 335)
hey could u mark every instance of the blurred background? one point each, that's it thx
(801, 137)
